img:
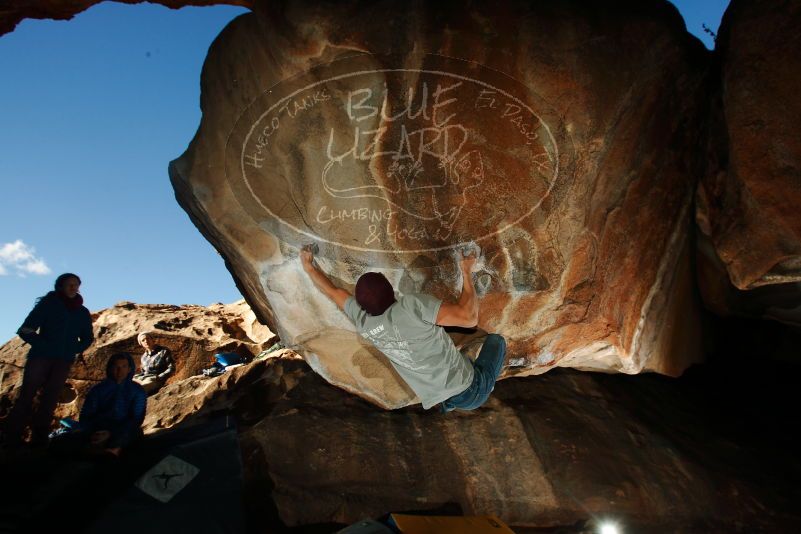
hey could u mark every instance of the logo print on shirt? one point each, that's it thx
(397, 349)
(378, 329)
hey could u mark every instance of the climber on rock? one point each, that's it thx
(409, 331)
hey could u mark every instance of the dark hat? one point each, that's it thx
(374, 293)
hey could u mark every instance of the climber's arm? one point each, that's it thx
(321, 281)
(463, 312)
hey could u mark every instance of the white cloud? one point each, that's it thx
(21, 259)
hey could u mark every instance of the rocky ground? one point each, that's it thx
(712, 451)
(192, 333)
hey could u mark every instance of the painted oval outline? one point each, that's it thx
(374, 71)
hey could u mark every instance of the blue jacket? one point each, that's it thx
(63, 333)
(118, 408)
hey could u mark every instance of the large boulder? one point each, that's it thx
(748, 203)
(555, 137)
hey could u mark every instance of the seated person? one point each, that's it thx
(112, 414)
(157, 364)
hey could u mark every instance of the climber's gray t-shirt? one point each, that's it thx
(422, 352)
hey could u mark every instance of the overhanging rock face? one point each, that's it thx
(394, 135)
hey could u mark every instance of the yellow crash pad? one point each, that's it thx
(427, 524)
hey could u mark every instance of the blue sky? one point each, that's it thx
(91, 112)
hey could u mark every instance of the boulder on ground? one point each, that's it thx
(562, 149)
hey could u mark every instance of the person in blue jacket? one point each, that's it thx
(58, 329)
(113, 412)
